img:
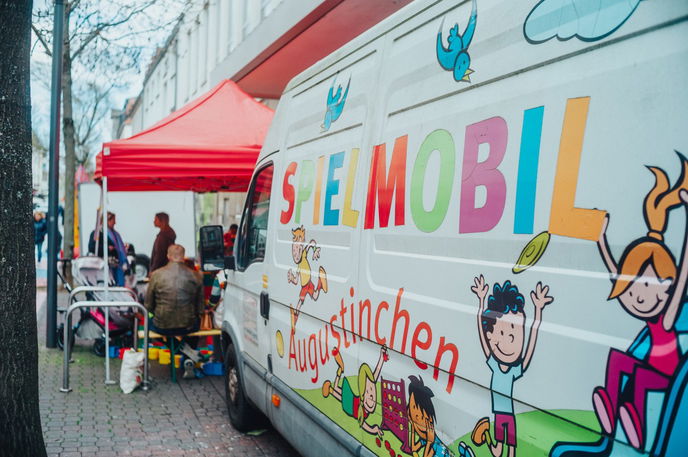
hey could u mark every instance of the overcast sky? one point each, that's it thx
(132, 81)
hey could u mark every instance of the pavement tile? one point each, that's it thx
(184, 419)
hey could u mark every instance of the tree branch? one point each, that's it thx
(106, 25)
(94, 118)
(83, 20)
(41, 40)
(71, 6)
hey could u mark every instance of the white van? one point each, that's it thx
(466, 235)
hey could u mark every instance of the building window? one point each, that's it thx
(203, 47)
(229, 27)
(267, 7)
(193, 58)
(245, 21)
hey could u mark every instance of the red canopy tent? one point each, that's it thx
(210, 144)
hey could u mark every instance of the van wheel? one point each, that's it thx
(242, 414)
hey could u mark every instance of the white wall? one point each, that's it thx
(202, 51)
(135, 212)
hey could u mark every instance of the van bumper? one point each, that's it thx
(302, 424)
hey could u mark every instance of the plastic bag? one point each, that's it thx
(131, 373)
(219, 286)
(219, 314)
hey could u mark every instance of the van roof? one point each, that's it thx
(349, 48)
(360, 41)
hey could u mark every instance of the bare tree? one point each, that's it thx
(91, 102)
(91, 107)
(20, 419)
(103, 41)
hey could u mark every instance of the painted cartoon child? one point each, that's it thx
(650, 287)
(501, 326)
(362, 405)
(421, 414)
(299, 252)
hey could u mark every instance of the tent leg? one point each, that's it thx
(106, 281)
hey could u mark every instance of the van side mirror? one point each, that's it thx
(213, 249)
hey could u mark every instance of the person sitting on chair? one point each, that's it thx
(175, 298)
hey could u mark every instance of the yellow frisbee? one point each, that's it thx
(279, 341)
(531, 253)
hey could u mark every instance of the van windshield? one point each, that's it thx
(256, 235)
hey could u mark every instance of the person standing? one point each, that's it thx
(117, 256)
(117, 251)
(229, 238)
(40, 226)
(166, 238)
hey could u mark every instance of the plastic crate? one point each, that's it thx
(213, 369)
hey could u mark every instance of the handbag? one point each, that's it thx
(206, 320)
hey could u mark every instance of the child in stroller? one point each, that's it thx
(88, 271)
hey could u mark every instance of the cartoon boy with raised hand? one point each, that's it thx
(501, 326)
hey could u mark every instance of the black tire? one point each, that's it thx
(60, 338)
(242, 414)
(99, 347)
(142, 266)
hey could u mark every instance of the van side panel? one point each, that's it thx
(313, 259)
(451, 207)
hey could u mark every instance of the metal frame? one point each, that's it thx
(105, 244)
(105, 303)
(68, 331)
(83, 289)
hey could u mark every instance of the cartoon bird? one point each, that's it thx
(456, 58)
(335, 104)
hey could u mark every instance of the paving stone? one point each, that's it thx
(95, 419)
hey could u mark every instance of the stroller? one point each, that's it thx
(88, 271)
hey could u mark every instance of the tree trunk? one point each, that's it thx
(69, 141)
(20, 421)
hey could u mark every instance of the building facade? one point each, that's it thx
(259, 44)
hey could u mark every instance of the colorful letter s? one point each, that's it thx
(288, 193)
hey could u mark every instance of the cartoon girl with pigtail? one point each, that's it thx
(651, 287)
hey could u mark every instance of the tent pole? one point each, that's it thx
(106, 281)
(196, 235)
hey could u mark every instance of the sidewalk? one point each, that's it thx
(188, 418)
(41, 276)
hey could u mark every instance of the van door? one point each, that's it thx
(248, 279)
